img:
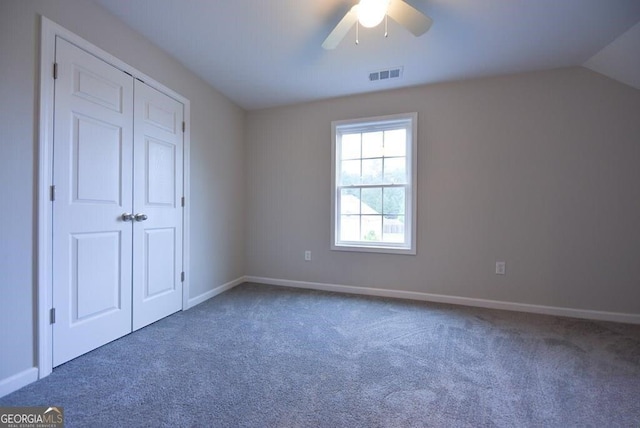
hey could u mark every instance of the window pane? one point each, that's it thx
(350, 146)
(371, 201)
(393, 229)
(372, 171)
(350, 201)
(395, 170)
(372, 228)
(350, 228)
(372, 145)
(394, 201)
(350, 172)
(395, 142)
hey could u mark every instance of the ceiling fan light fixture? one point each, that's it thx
(372, 12)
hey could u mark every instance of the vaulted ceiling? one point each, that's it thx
(263, 53)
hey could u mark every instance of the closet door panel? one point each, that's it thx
(92, 174)
(157, 236)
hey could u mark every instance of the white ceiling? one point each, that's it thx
(263, 53)
(620, 59)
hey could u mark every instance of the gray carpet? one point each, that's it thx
(262, 356)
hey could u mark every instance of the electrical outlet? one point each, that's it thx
(501, 268)
(307, 256)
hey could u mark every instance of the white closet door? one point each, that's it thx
(92, 166)
(157, 232)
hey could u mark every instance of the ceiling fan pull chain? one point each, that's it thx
(386, 23)
(357, 31)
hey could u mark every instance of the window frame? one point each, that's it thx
(372, 124)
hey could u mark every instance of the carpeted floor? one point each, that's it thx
(263, 356)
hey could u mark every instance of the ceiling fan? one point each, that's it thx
(370, 13)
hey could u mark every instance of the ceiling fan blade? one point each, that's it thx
(409, 17)
(341, 29)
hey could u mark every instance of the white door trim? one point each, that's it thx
(49, 31)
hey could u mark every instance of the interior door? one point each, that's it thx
(157, 232)
(92, 173)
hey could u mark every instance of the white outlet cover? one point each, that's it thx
(501, 268)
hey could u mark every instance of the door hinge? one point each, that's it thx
(182, 201)
(55, 70)
(52, 194)
(184, 126)
(182, 277)
(52, 316)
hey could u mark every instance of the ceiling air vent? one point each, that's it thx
(392, 73)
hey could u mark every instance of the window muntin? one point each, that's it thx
(374, 189)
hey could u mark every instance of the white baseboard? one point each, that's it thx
(212, 293)
(455, 300)
(17, 381)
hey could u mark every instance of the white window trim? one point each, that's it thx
(411, 214)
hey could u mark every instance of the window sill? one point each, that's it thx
(374, 249)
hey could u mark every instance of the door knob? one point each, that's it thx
(127, 216)
(140, 217)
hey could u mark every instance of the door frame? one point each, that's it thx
(49, 31)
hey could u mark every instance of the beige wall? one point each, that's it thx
(541, 170)
(217, 160)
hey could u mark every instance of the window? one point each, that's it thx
(374, 184)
